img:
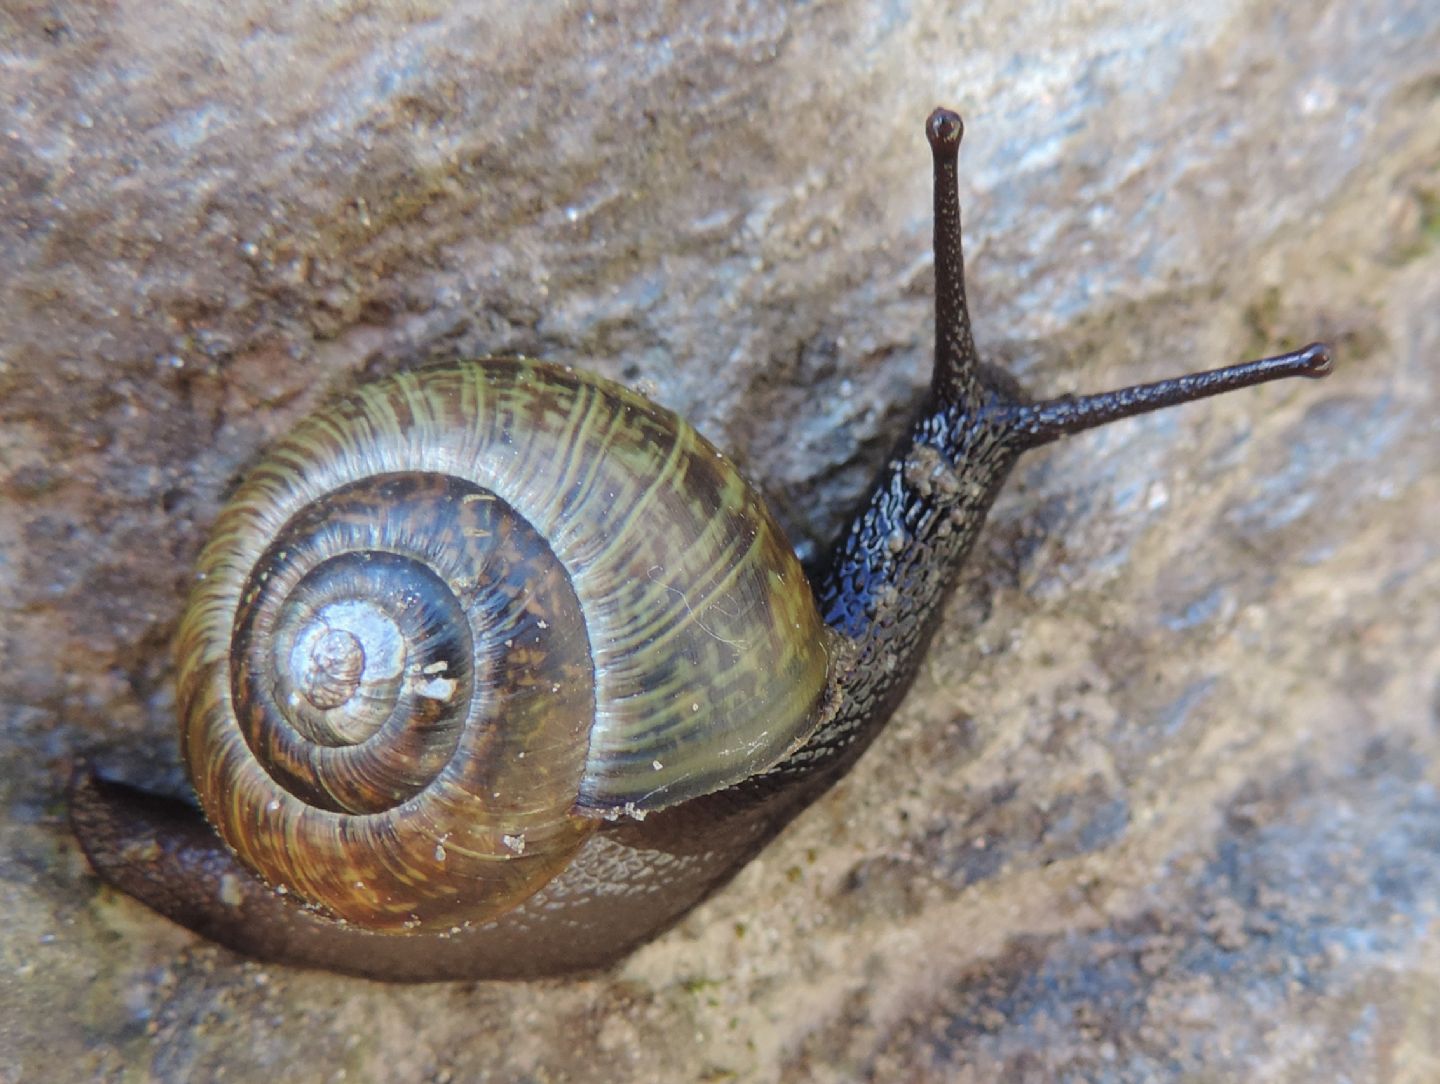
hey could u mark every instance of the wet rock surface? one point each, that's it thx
(1163, 804)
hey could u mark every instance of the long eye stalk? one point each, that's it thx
(1040, 423)
(961, 381)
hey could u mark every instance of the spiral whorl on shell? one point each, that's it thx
(458, 616)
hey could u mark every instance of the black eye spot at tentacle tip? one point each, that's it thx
(944, 129)
(1320, 360)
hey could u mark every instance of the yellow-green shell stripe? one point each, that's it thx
(710, 658)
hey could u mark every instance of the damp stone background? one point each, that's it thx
(1163, 803)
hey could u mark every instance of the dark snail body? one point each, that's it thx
(391, 798)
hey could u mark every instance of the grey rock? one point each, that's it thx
(1162, 806)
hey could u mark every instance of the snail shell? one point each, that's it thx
(455, 620)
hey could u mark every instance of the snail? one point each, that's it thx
(497, 669)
